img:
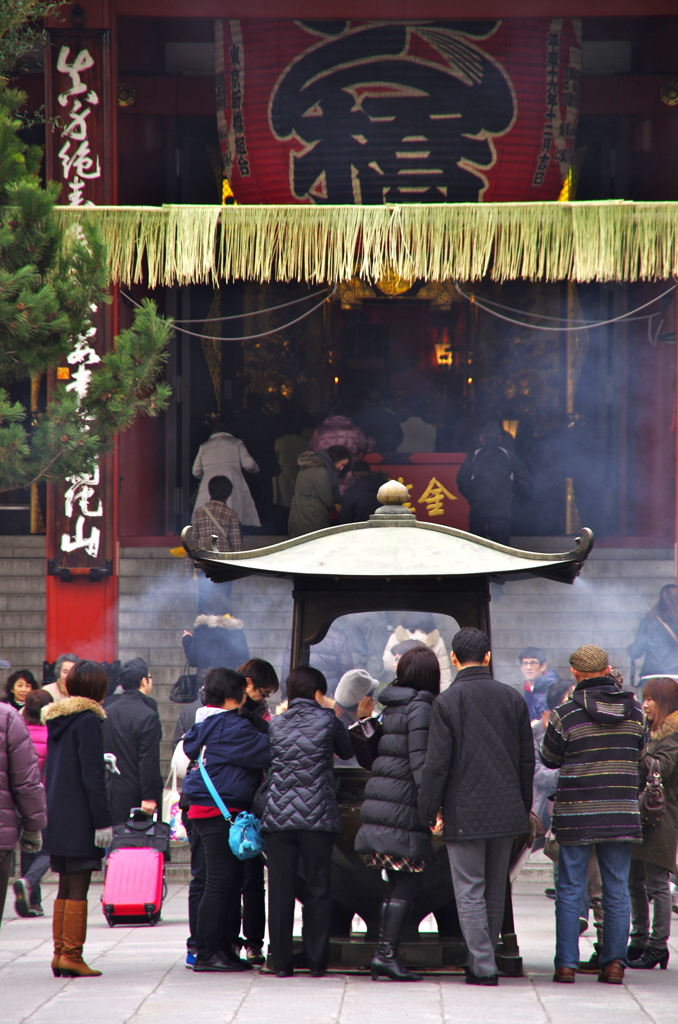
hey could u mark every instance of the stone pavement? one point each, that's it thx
(145, 982)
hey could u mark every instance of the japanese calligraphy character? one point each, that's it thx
(77, 128)
(79, 541)
(76, 187)
(80, 381)
(82, 352)
(433, 497)
(81, 160)
(82, 489)
(234, 54)
(240, 146)
(82, 62)
(377, 122)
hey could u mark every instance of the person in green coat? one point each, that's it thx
(655, 858)
(316, 490)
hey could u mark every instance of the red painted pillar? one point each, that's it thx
(82, 513)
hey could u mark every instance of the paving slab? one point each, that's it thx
(145, 981)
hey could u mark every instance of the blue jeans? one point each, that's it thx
(33, 867)
(614, 860)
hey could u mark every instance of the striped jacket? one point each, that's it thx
(596, 739)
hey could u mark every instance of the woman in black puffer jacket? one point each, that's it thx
(391, 836)
(301, 819)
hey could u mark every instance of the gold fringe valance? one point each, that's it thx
(578, 241)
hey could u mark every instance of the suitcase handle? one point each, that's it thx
(139, 814)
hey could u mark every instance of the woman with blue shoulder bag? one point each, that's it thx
(229, 755)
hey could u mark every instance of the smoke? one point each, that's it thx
(603, 606)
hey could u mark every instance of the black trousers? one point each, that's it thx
(196, 886)
(283, 852)
(222, 886)
(253, 889)
(5, 869)
(497, 528)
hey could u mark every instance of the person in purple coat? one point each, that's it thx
(22, 798)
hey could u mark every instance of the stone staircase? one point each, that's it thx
(22, 602)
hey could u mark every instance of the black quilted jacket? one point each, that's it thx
(390, 822)
(304, 740)
(480, 759)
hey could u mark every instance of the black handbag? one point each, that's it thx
(259, 799)
(652, 800)
(365, 735)
(185, 690)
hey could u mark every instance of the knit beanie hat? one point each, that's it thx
(589, 658)
(353, 686)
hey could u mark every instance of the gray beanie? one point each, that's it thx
(353, 686)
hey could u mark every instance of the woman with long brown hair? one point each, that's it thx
(655, 858)
(79, 822)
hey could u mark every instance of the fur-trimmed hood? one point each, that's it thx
(218, 622)
(429, 639)
(71, 706)
(667, 728)
(309, 459)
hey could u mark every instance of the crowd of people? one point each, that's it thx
(454, 765)
(324, 480)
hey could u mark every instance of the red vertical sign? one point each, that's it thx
(81, 512)
(79, 145)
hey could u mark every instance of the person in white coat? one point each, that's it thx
(226, 455)
(419, 626)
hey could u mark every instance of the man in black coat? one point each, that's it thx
(479, 769)
(360, 499)
(489, 478)
(132, 732)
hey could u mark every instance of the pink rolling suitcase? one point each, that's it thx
(133, 887)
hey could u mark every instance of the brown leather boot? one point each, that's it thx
(565, 975)
(57, 934)
(71, 963)
(612, 973)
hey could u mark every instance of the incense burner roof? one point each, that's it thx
(391, 544)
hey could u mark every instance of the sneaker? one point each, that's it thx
(36, 911)
(591, 966)
(22, 903)
(219, 962)
(255, 954)
(190, 958)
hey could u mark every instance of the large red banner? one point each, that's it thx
(392, 112)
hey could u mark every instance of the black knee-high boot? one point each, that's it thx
(392, 917)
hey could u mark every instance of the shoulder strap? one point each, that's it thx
(212, 789)
(668, 629)
(216, 523)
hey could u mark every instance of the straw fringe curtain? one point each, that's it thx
(606, 241)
